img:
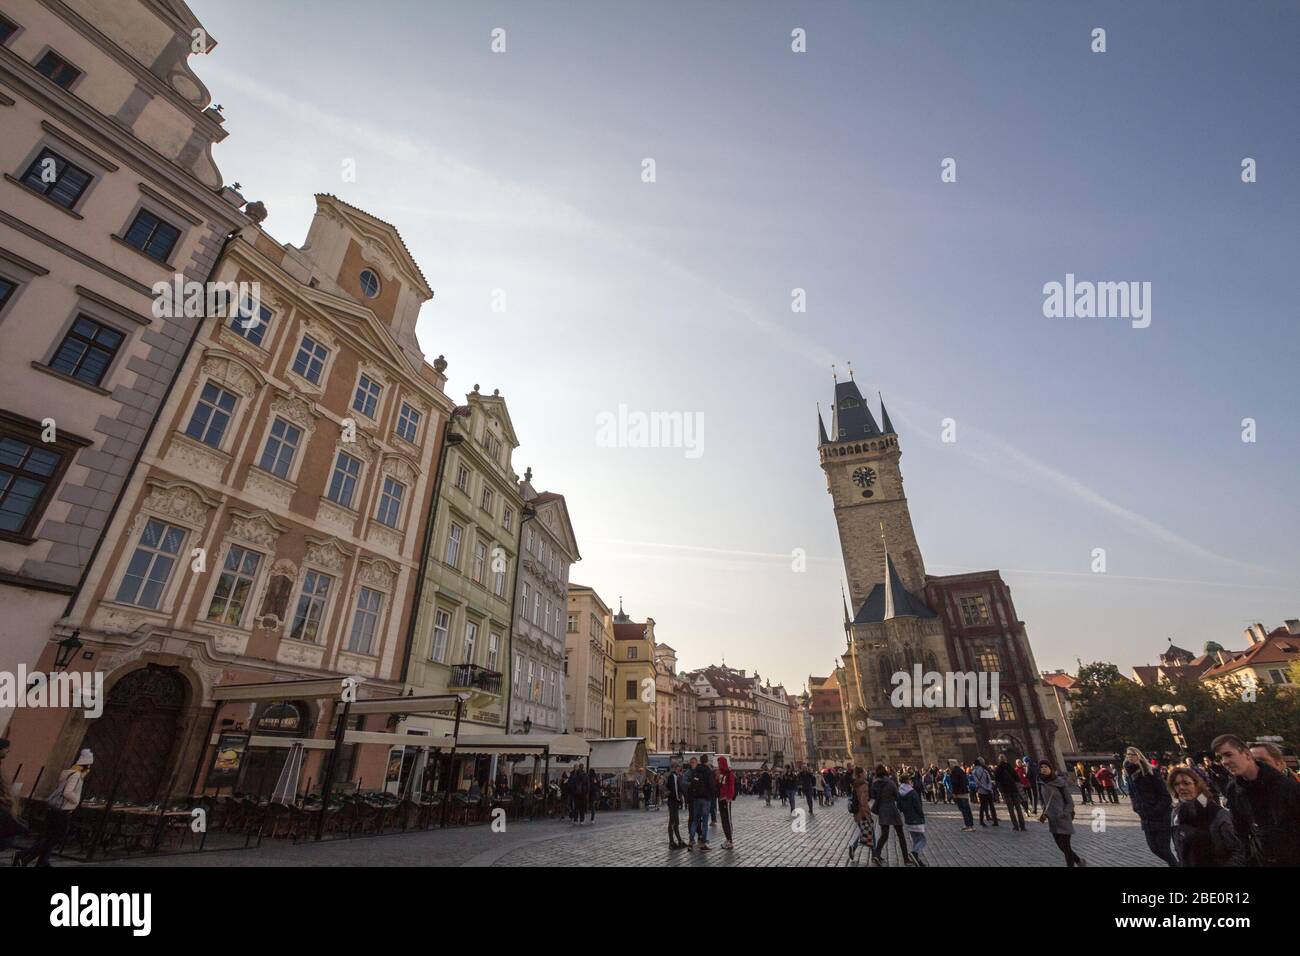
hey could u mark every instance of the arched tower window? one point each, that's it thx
(1006, 709)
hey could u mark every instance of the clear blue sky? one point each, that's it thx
(775, 170)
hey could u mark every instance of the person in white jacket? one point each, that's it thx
(62, 800)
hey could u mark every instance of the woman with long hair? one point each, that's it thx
(1203, 834)
(860, 806)
(1058, 811)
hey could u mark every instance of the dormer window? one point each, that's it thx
(849, 402)
(369, 283)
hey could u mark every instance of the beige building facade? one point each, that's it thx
(633, 662)
(589, 648)
(273, 528)
(109, 188)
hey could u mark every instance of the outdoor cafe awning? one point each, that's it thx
(557, 745)
(614, 755)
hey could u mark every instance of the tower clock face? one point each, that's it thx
(864, 477)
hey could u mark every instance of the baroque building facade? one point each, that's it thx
(634, 713)
(903, 621)
(548, 551)
(463, 627)
(272, 528)
(589, 666)
(109, 188)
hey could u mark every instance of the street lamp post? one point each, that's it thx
(1175, 729)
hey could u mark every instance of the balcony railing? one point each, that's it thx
(473, 677)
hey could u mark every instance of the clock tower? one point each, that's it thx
(863, 478)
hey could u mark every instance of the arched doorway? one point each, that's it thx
(134, 738)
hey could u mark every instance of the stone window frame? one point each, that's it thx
(405, 403)
(321, 336)
(986, 604)
(19, 29)
(45, 51)
(366, 371)
(195, 530)
(100, 313)
(244, 400)
(331, 599)
(69, 150)
(299, 451)
(403, 504)
(433, 630)
(381, 619)
(164, 212)
(237, 535)
(66, 445)
(22, 273)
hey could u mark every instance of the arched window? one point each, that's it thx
(931, 662)
(1006, 709)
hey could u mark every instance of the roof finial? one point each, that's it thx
(850, 365)
(834, 375)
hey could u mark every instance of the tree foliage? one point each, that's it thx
(1111, 713)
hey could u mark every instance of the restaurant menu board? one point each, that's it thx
(228, 759)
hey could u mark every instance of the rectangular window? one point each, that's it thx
(26, 471)
(631, 728)
(572, 625)
(631, 653)
(87, 350)
(343, 483)
(281, 446)
(532, 673)
(250, 326)
(390, 502)
(631, 690)
(527, 594)
(546, 619)
(537, 607)
(310, 360)
(57, 69)
(528, 540)
(233, 586)
(56, 179)
(500, 587)
(311, 607)
(471, 636)
(441, 627)
(487, 500)
(7, 29)
(507, 519)
(6, 290)
(152, 236)
(366, 400)
(973, 610)
(453, 544)
(151, 565)
(480, 560)
(494, 650)
(462, 478)
(365, 621)
(408, 424)
(211, 415)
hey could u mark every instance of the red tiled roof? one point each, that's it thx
(1063, 681)
(629, 631)
(1280, 647)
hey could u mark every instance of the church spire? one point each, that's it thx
(851, 418)
(890, 576)
(821, 427)
(884, 417)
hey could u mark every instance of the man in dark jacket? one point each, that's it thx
(1009, 786)
(1265, 804)
(702, 790)
(961, 793)
(579, 788)
(1152, 803)
(808, 783)
(674, 794)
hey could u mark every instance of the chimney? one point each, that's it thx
(1255, 634)
(1293, 627)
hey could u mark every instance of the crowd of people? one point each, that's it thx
(1237, 805)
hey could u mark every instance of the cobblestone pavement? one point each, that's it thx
(764, 836)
